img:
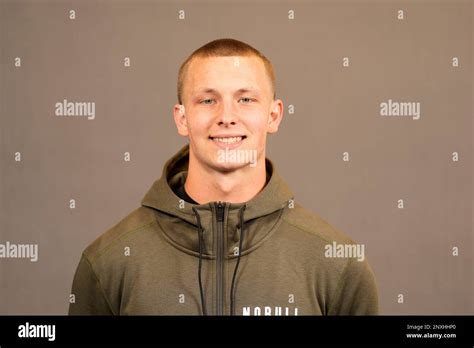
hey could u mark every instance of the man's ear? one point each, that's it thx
(276, 115)
(180, 119)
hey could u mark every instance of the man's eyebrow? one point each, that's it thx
(240, 90)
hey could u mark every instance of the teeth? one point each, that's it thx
(228, 140)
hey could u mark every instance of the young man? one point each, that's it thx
(219, 233)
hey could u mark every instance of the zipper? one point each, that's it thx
(220, 206)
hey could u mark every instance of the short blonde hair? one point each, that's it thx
(224, 48)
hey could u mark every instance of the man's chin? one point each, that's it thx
(229, 167)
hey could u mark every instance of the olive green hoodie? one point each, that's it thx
(268, 256)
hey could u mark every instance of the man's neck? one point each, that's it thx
(235, 187)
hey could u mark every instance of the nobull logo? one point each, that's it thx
(267, 311)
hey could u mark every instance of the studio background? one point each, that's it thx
(336, 110)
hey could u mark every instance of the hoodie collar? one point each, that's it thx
(274, 196)
(162, 197)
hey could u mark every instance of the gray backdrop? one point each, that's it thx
(336, 110)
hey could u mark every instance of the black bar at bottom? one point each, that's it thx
(411, 330)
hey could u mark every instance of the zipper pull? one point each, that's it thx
(220, 211)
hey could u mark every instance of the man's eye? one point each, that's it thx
(247, 100)
(205, 101)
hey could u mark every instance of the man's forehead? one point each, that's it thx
(203, 70)
(207, 89)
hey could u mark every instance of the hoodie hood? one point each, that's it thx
(181, 220)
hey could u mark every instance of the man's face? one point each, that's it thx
(228, 107)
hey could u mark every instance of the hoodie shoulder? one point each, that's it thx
(137, 220)
(309, 222)
(352, 286)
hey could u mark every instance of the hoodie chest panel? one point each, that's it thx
(162, 283)
(276, 284)
(270, 281)
(161, 279)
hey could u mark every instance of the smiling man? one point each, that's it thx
(229, 107)
(220, 233)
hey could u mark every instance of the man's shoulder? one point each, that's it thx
(306, 221)
(126, 229)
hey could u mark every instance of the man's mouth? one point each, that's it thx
(228, 139)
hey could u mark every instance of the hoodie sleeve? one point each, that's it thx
(356, 293)
(89, 298)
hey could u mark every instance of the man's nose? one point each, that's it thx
(227, 114)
